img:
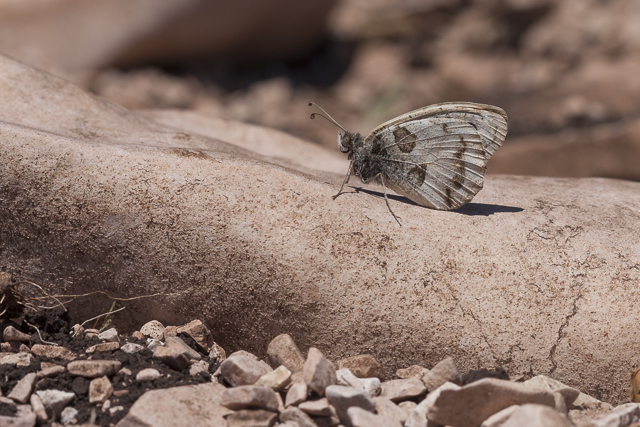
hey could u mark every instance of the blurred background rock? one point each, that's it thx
(566, 71)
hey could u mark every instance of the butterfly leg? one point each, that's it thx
(386, 199)
(346, 180)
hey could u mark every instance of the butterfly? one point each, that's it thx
(435, 155)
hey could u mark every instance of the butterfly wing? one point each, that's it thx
(437, 155)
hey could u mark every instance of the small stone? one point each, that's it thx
(110, 335)
(198, 368)
(498, 419)
(444, 371)
(125, 371)
(370, 385)
(12, 347)
(282, 350)
(50, 370)
(106, 405)
(359, 417)
(38, 408)
(80, 386)
(243, 370)
(276, 379)
(413, 371)
(217, 354)
(319, 372)
(280, 402)
(418, 417)
(179, 345)
(172, 357)
(252, 418)
(243, 353)
(318, 408)
(54, 401)
(153, 343)
(90, 333)
(170, 331)
(22, 390)
(77, 331)
(68, 416)
(342, 398)
(362, 366)
(23, 417)
(138, 335)
(93, 368)
(12, 334)
(118, 393)
(52, 352)
(199, 332)
(399, 390)
(532, 415)
(102, 347)
(297, 394)
(295, 415)
(131, 348)
(249, 396)
(407, 408)
(115, 409)
(390, 410)
(100, 389)
(148, 374)
(153, 329)
(18, 359)
(543, 382)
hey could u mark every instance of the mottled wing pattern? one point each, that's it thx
(437, 155)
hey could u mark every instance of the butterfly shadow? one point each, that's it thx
(470, 209)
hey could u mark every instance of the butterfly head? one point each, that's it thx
(347, 141)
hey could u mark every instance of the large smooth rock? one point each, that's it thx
(536, 274)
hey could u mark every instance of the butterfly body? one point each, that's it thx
(435, 155)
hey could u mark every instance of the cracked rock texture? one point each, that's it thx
(538, 275)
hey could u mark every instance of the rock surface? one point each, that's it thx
(522, 274)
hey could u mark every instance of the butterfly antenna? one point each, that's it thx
(326, 116)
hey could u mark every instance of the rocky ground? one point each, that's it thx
(53, 373)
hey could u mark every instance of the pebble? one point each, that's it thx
(249, 396)
(295, 415)
(18, 359)
(531, 415)
(93, 368)
(171, 356)
(24, 417)
(179, 345)
(131, 348)
(276, 379)
(22, 390)
(125, 371)
(153, 343)
(217, 354)
(390, 410)
(418, 417)
(38, 408)
(77, 331)
(369, 385)
(546, 383)
(362, 366)
(153, 329)
(102, 347)
(54, 401)
(297, 394)
(444, 371)
(110, 335)
(69, 416)
(199, 332)
(318, 408)
(12, 334)
(50, 370)
(53, 352)
(138, 335)
(411, 372)
(342, 398)
(100, 389)
(252, 418)
(13, 347)
(359, 417)
(243, 370)
(282, 350)
(199, 368)
(115, 409)
(399, 390)
(318, 372)
(90, 333)
(148, 374)
(498, 419)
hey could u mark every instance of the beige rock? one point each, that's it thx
(12, 334)
(148, 374)
(546, 383)
(399, 390)
(77, 330)
(277, 379)
(53, 352)
(412, 371)
(217, 353)
(390, 410)
(153, 329)
(318, 408)
(110, 335)
(50, 370)
(24, 417)
(131, 348)
(295, 415)
(138, 335)
(282, 350)
(100, 389)
(90, 333)
(199, 332)
(362, 418)
(93, 368)
(171, 356)
(170, 331)
(250, 396)
(280, 402)
(362, 366)
(38, 408)
(370, 385)
(185, 406)
(536, 416)
(297, 394)
(468, 406)
(244, 353)
(243, 370)
(18, 359)
(22, 390)
(102, 347)
(444, 371)
(69, 416)
(54, 401)
(318, 372)
(199, 367)
(177, 343)
(342, 398)
(418, 417)
(12, 347)
(252, 418)
(498, 419)
(466, 266)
